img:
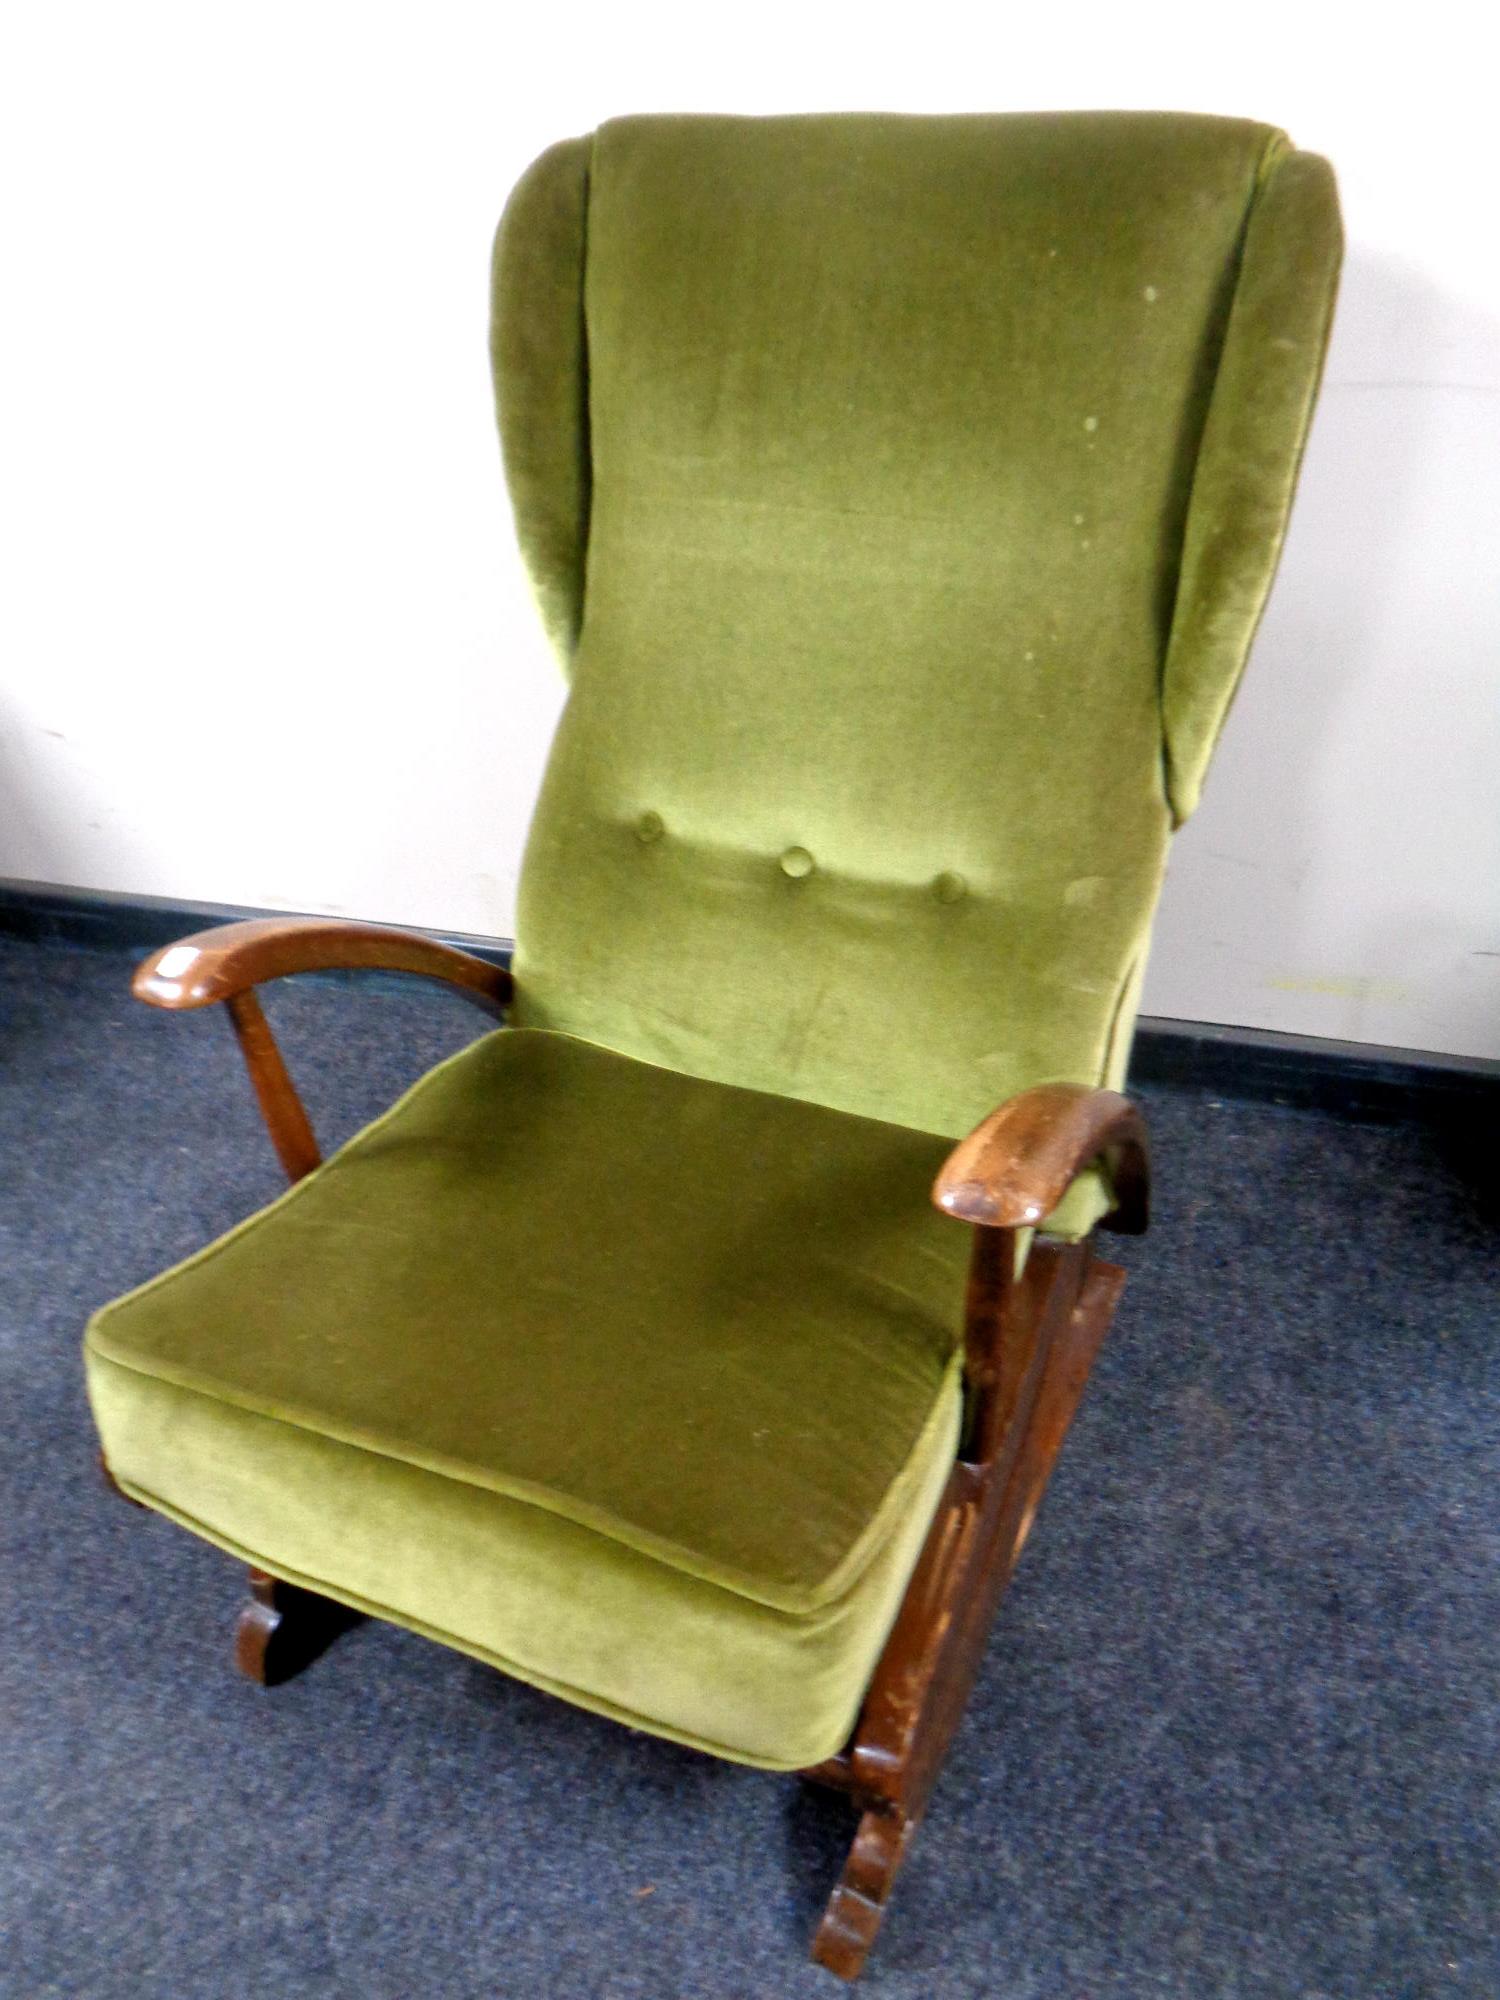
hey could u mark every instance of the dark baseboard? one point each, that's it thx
(1351, 1079)
(50, 914)
(1361, 1080)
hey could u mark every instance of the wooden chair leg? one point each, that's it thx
(857, 1904)
(921, 1684)
(285, 1628)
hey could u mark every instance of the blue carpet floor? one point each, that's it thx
(1236, 1732)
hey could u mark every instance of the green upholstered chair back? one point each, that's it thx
(902, 494)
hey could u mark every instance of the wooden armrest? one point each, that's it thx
(1015, 1168)
(228, 961)
(220, 963)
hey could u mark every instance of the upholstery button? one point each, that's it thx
(797, 862)
(649, 827)
(950, 888)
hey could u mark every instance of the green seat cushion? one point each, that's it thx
(708, 1322)
(699, 1335)
(561, 1606)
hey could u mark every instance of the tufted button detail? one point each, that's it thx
(649, 827)
(797, 862)
(950, 888)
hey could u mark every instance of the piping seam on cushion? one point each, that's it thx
(840, 1580)
(564, 1690)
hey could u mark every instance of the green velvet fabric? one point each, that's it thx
(1247, 462)
(699, 1337)
(913, 446)
(709, 1322)
(570, 1610)
(538, 341)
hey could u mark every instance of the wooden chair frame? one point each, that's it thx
(1030, 1338)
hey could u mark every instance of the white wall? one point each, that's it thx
(264, 636)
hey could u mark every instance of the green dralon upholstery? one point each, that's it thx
(642, 1386)
(901, 495)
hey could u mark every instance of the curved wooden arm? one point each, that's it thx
(1015, 1168)
(217, 964)
(228, 961)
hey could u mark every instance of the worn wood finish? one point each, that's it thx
(1031, 1343)
(280, 1106)
(285, 1628)
(215, 964)
(1001, 1323)
(1078, 1310)
(975, 1541)
(1013, 1170)
(852, 1919)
